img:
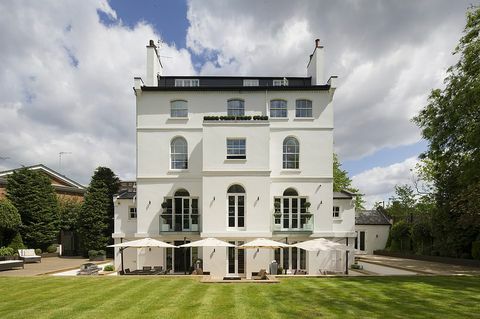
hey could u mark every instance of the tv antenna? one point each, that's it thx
(60, 154)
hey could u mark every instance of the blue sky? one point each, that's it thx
(388, 55)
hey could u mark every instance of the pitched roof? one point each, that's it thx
(53, 174)
(127, 195)
(370, 217)
(343, 194)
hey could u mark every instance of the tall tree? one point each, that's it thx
(451, 124)
(112, 182)
(341, 181)
(93, 224)
(32, 193)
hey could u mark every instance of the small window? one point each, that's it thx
(187, 82)
(236, 107)
(236, 189)
(236, 148)
(303, 108)
(132, 213)
(278, 108)
(178, 108)
(336, 212)
(250, 82)
(283, 82)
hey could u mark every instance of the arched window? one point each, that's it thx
(278, 108)
(303, 108)
(236, 206)
(290, 192)
(178, 108)
(179, 153)
(291, 153)
(182, 192)
(235, 107)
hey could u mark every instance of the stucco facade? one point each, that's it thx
(234, 198)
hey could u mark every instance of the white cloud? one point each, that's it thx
(67, 85)
(388, 54)
(378, 183)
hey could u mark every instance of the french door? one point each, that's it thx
(236, 210)
(292, 209)
(360, 241)
(236, 259)
(185, 213)
(291, 258)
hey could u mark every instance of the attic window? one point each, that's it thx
(187, 82)
(250, 82)
(283, 82)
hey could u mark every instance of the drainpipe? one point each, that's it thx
(346, 261)
(185, 255)
(121, 254)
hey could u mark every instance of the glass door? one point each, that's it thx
(291, 212)
(236, 211)
(236, 259)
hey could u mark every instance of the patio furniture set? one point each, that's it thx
(25, 256)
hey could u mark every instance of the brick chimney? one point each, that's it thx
(154, 67)
(315, 64)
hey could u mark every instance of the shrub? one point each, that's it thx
(400, 233)
(38, 251)
(6, 251)
(109, 268)
(96, 253)
(17, 242)
(52, 249)
(476, 250)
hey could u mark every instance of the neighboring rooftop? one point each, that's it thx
(127, 195)
(370, 217)
(343, 194)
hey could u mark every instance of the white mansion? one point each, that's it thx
(235, 158)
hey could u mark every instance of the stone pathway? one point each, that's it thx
(48, 265)
(420, 266)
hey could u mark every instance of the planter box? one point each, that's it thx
(98, 258)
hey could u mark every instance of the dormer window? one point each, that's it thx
(283, 82)
(187, 82)
(250, 82)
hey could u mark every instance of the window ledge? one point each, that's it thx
(290, 171)
(337, 219)
(304, 119)
(279, 119)
(235, 160)
(178, 118)
(172, 170)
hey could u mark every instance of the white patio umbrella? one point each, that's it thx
(263, 243)
(320, 244)
(141, 243)
(144, 243)
(208, 242)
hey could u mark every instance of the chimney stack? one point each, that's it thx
(315, 65)
(154, 67)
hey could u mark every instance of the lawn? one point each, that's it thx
(149, 297)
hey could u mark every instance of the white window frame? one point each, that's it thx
(184, 109)
(291, 214)
(187, 82)
(130, 212)
(236, 273)
(250, 82)
(306, 107)
(284, 152)
(282, 82)
(236, 217)
(336, 212)
(234, 110)
(279, 109)
(172, 161)
(239, 156)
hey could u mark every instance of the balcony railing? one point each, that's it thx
(297, 223)
(180, 223)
